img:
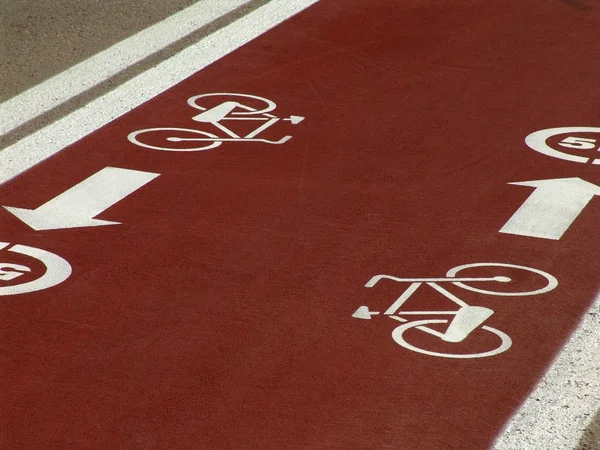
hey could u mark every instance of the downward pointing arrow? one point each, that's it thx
(551, 208)
(77, 207)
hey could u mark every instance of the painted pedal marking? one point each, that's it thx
(551, 208)
(215, 110)
(77, 207)
(57, 270)
(465, 320)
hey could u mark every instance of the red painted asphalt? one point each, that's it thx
(219, 313)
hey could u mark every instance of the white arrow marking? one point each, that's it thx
(78, 206)
(363, 313)
(295, 119)
(551, 208)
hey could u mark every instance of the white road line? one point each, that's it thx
(94, 70)
(565, 399)
(44, 143)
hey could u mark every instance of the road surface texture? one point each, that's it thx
(300, 224)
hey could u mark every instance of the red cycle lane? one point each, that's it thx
(227, 309)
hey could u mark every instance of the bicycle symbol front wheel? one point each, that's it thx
(398, 336)
(174, 139)
(545, 281)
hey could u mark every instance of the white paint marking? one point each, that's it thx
(78, 206)
(467, 319)
(578, 143)
(399, 319)
(398, 336)
(363, 313)
(377, 278)
(98, 68)
(538, 425)
(295, 120)
(564, 401)
(448, 294)
(14, 271)
(57, 270)
(550, 281)
(35, 148)
(402, 299)
(537, 141)
(283, 140)
(551, 208)
(217, 113)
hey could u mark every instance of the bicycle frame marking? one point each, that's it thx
(463, 306)
(466, 319)
(216, 119)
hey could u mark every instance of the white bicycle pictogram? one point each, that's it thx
(466, 319)
(216, 108)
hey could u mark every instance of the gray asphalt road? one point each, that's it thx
(41, 38)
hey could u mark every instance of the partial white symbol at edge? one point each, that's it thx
(551, 208)
(57, 270)
(537, 141)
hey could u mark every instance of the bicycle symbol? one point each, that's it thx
(466, 319)
(216, 108)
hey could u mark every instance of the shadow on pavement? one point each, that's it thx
(578, 4)
(591, 436)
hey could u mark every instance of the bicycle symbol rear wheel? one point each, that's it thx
(165, 139)
(398, 336)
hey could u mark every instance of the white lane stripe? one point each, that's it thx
(44, 143)
(94, 70)
(565, 399)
